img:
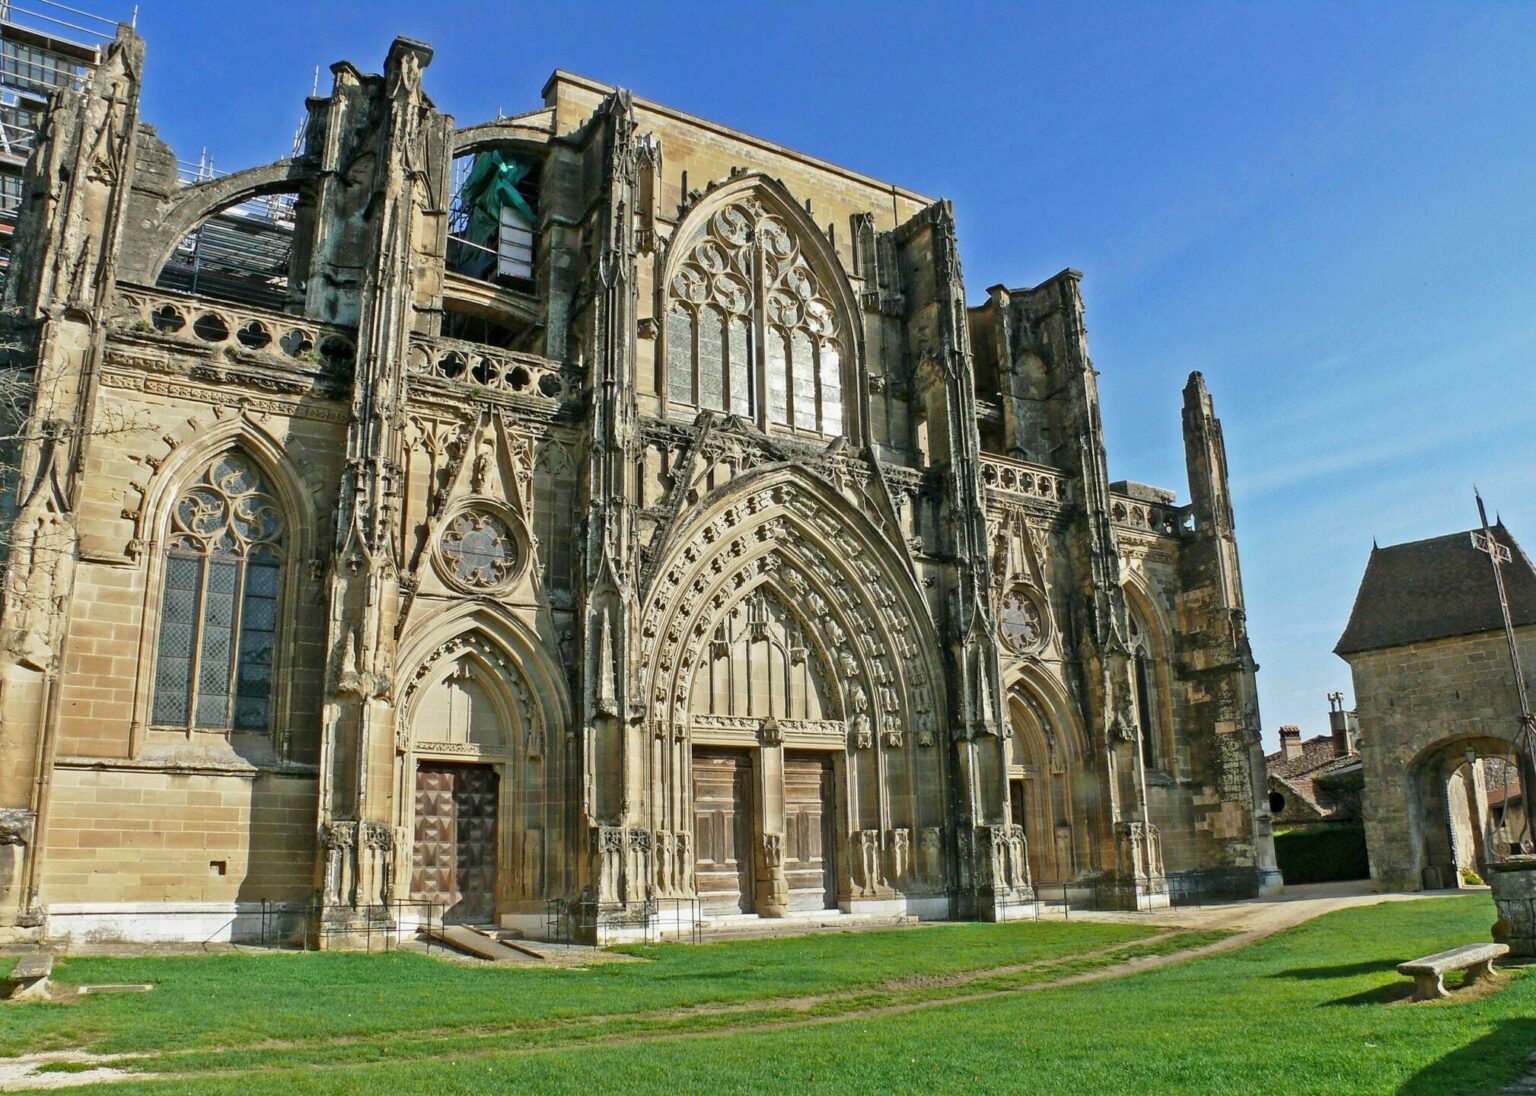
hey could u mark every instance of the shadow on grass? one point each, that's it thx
(1388, 994)
(1343, 970)
(1483, 1065)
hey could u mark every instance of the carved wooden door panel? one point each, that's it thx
(453, 861)
(722, 831)
(809, 813)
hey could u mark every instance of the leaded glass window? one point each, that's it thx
(740, 369)
(219, 606)
(711, 360)
(1142, 678)
(778, 380)
(680, 354)
(747, 255)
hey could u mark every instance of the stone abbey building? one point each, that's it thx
(596, 506)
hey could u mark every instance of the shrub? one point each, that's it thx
(1323, 855)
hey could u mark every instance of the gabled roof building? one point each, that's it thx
(1437, 705)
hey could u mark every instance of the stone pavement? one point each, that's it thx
(1267, 915)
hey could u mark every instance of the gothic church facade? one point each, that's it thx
(596, 509)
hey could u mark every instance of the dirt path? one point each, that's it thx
(1248, 921)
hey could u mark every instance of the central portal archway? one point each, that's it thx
(787, 632)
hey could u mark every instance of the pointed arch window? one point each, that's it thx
(750, 329)
(219, 608)
(1142, 682)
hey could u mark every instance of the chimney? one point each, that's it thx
(1343, 725)
(1290, 741)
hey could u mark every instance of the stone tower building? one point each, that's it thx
(599, 506)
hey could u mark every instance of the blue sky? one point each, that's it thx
(1330, 209)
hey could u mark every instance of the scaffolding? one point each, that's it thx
(44, 47)
(242, 253)
(492, 217)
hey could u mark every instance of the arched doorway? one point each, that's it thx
(1466, 807)
(479, 801)
(1044, 795)
(795, 696)
(763, 670)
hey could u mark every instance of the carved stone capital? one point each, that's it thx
(16, 825)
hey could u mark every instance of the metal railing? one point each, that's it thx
(50, 17)
(658, 920)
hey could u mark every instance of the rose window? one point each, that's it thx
(478, 549)
(1019, 621)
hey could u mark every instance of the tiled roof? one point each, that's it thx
(1316, 753)
(1317, 759)
(1436, 588)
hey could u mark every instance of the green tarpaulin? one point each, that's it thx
(492, 185)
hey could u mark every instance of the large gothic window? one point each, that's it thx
(1142, 681)
(218, 613)
(746, 295)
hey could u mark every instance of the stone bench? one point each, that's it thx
(1429, 972)
(29, 978)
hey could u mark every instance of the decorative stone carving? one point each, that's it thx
(727, 553)
(1019, 621)
(899, 858)
(867, 876)
(930, 854)
(16, 825)
(1139, 852)
(478, 550)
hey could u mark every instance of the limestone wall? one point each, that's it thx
(1414, 702)
(197, 842)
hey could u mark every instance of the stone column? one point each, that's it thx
(771, 892)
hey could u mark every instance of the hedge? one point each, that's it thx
(1323, 855)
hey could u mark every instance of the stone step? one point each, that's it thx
(750, 927)
(471, 942)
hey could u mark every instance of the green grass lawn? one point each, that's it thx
(219, 1001)
(1315, 1009)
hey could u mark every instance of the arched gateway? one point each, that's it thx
(482, 757)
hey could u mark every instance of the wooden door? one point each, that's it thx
(453, 860)
(809, 812)
(722, 831)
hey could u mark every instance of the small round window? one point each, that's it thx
(479, 550)
(1018, 619)
(1276, 803)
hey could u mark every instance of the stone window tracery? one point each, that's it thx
(759, 663)
(219, 608)
(746, 290)
(1142, 679)
(1019, 621)
(479, 550)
